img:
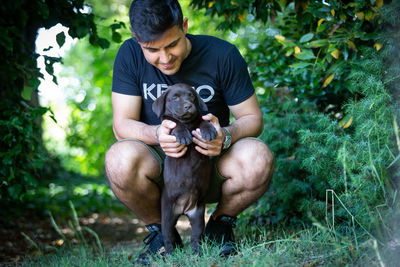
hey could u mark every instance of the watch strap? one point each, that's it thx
(227, 140)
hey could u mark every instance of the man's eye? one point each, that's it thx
(173, 44)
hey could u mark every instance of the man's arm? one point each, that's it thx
(126, 119)
(248, 123)
(248, 119)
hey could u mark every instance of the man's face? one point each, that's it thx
(168, 52)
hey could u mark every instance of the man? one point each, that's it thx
(160, 54)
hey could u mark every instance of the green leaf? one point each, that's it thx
(300, 65)
(116, 37)
(14, 191)
(317, 43)
(337, 67)
(103, 43)
(81, 31)
(49, 69)
(306, 37)
(394, 161)
(60, 37)
(305, 55)
(47, 49)
(115, 26)
(52, 116)
(27, 93)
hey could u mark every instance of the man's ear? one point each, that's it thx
(201, 105)
(159, 105)
(185, 25)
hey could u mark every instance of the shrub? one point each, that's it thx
(350, 152)
(318, 40)
(24, 159)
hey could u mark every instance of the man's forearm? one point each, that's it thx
(128, 128)
(246, 126)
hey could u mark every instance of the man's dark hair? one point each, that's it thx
(151, 18)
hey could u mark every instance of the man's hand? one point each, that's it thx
(213, 147)
(168, 142)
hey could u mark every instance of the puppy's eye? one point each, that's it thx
(191, 98)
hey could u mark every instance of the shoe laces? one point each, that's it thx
(147, 240)
(155, 231)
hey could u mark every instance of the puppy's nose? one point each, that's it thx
(187, 106)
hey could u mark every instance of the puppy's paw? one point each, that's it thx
(208, 131)
(182, 135)
(184, 140)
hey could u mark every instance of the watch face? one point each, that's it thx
(227, 141)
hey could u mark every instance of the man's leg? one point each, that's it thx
(130, 167)
(248, 166)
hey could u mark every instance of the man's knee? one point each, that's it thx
(126, 160)
(254, 161)
(259, 162)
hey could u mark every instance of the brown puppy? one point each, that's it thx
(186, 178)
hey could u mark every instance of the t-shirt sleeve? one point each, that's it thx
(124, 80)
(235, 78)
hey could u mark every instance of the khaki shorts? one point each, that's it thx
(214, 189)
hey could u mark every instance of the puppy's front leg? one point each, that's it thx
(168, 221)
(208, 131)
(196, 218)
(182, 134)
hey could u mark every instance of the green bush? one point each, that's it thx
(350, 158)
(354, 161)
(23, 159)
(282, 121)
(347, 150)
(25, 163)
(318, 41)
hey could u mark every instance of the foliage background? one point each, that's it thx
(25, 161)
(325, 73)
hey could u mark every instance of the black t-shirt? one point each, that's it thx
(214, 68)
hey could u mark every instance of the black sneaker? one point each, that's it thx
(155, 243)
(220, 231)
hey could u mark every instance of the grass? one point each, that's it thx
(311, 246)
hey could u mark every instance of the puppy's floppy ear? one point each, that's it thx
(200, 104)
(158, 106)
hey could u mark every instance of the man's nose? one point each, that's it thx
(165, 56)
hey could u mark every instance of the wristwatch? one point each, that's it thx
(228, 139)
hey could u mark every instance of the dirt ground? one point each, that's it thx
(113, 230)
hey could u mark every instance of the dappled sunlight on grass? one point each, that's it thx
(89, 194)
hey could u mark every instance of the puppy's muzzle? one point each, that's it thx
(187, 112)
